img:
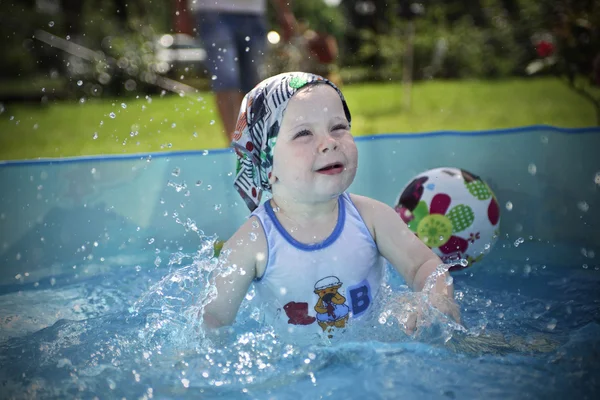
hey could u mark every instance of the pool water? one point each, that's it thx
(100, 295)
(128, 329)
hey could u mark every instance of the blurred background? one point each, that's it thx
(131, 76)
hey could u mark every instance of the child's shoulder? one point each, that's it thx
(368, 205)
(372, 211)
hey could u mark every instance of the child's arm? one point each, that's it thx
(240, 250)
(405, 251)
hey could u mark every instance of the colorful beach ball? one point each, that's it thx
(453, 212)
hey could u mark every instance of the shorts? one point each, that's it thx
(235, 47)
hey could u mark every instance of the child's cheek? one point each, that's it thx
(299, 153)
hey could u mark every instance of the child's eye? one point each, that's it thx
(340, 127)
(302, 133)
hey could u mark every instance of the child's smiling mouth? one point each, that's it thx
(331, 169)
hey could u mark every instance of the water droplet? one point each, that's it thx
(176, 171)
(583, 206)
(151, 240)
(51, 24)
(173, 125)
(212, 122)
(596, 178)
(214, 77)
(208, 187)
(112, 115)
(519, 241)
(532, 169)
(487, 246)
(205, 153)
(552, 324)
(253, 236)
(195, 134)
(449, 280)
(509, 205)
(464, 262)
(79, 82)
(217, 207)
(178, 187)
(247, 38)
(544, 139)
(198, 183)
(585, 266)
(123, 105)
(247, 49)
(95, 136)
(255, 224)
(138, 268)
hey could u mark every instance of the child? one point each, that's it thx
(316, 252)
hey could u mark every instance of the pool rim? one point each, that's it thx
(377, 136)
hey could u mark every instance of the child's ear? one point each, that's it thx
(272, 179)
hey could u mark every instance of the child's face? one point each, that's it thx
(315, 158)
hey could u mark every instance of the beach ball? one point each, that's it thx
(454, 212)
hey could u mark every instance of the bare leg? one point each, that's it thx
(229, 103)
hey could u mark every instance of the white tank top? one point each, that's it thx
(234, 6)
(315, 289)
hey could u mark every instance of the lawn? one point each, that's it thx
(170, 123)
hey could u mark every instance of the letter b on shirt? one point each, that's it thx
(360, 298)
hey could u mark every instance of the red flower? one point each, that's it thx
(544, 49)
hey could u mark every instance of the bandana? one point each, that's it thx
(261, 115)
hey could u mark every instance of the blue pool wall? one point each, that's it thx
(59, 213)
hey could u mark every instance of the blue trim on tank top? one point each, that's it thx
(310, 247)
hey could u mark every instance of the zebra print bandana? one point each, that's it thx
(261, 115)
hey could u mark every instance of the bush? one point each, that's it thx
(448, 48)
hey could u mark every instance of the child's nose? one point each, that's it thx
(328, 144)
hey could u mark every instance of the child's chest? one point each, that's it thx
(329, 285)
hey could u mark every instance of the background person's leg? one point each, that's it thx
(222, 64)
(251, 41)
(229, 102)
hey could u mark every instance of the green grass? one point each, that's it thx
(174, 123)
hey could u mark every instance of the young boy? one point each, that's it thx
(316, 252)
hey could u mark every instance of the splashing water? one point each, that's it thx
(147, 339)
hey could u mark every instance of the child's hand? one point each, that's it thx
(445, 305)
(412, 312)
